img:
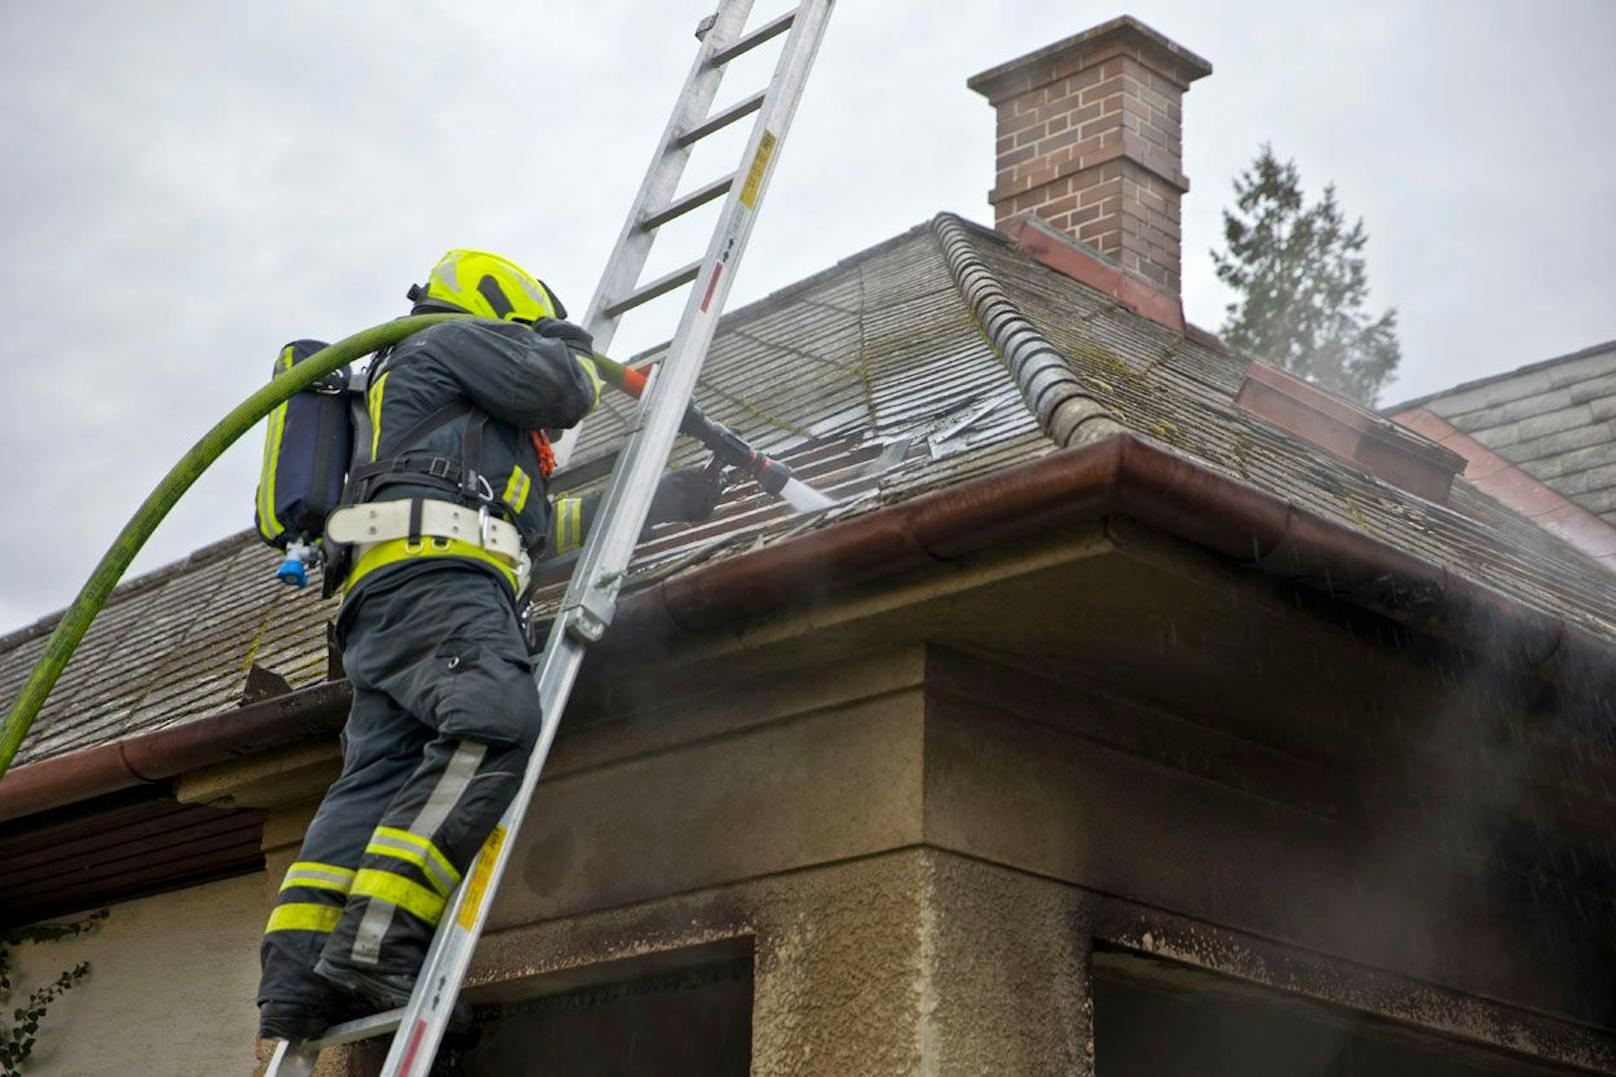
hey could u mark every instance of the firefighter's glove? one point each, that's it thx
(688, 494)
(576, 337)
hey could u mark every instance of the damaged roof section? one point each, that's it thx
(940, 356)
(975, 313)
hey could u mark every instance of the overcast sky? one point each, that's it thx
(188, 185)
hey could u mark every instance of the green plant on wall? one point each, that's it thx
(17, 1036)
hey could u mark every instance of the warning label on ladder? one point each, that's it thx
(479, 878)
(760, 165)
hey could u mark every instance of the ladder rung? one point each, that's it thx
(657, 287)
(377, 1024)
(720, 120)
(768, 31)
(679, 207)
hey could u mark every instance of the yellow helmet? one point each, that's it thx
(486, 285)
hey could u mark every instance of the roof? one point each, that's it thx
(880, 379)
(1551, 419)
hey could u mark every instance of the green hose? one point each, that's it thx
(76, 621)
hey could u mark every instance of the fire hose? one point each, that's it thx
(725, 444)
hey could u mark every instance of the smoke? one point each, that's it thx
(1478, 872)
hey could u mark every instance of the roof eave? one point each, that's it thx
(1120, 475)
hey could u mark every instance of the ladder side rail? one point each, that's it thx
(587, 609)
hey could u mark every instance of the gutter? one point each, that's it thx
(310, 712)
(1122, 475)
(1118, 475)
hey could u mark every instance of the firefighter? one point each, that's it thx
(445, 710)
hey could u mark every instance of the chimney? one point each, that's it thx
(1089, 140)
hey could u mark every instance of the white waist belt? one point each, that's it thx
(362, 526)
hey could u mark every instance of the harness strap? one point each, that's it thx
(415, 521)
(471, 457)
(447, 413)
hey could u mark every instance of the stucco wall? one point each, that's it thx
(170, 993)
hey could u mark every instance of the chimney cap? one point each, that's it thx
(1176, 61)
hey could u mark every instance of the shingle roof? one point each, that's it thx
(878, 381)
(1553, 420)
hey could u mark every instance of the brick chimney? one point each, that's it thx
(1089, 140)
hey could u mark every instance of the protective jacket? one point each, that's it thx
(445, 709)
(451, 412)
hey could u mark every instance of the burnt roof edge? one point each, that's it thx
(1120, 475)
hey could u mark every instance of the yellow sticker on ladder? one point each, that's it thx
(760, 165)
(478, 882)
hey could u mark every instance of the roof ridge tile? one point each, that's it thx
(1052, 392)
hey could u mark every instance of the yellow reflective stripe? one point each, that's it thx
(569, 513)
(390, 553)
(516, 489)
(376, 412)
(397, 890)
(304, 916)
(390, 841)
(268, 525)
(595, 379)
(320, 876)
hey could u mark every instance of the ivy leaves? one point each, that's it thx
(17, 1041)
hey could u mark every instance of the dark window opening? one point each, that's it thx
(1159, 1019)
(690, 1020)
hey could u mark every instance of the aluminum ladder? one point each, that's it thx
(591, 598)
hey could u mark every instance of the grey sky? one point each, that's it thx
(189, 185)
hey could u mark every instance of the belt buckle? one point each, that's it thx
(482, 526)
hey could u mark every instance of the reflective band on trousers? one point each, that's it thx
(390, 841)
(451, 784)
(304, 916)
(400, 892)
(391, 553)
(320, 876)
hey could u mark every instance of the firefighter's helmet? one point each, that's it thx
(487, 285)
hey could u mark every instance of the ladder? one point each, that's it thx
(591, 598)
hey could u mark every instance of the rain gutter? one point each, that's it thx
(1121, 475)
(1126, 476)
(167, 753)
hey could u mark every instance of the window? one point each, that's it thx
(691, 1020)
(1158, 1019)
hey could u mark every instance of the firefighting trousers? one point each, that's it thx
(444, 716)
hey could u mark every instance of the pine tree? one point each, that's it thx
(1299, 272)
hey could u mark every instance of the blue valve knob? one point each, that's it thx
(301, 555)
(292, 573)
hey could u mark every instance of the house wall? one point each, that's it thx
(924, 811)
(170, 991)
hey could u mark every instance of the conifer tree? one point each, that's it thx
(1299, 273)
